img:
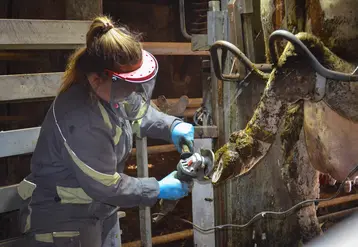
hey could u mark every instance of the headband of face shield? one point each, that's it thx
(131, 92)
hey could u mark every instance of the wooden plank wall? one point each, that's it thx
(33, 111)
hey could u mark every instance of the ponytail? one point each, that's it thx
(72, 73)
(106, 47)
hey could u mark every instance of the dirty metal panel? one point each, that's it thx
(203, 204)
(246, 6)
(16, 142)
(199, 42)
(9, 198)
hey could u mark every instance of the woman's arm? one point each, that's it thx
(90, 153)
(156, 125)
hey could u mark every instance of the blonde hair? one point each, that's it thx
(106, 46)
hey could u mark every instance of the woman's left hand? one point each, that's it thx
(183, 133)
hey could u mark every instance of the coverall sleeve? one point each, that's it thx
(90, 152)
(155, 124)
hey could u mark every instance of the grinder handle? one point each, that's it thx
(185, 149)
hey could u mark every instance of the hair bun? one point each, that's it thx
(107, 26)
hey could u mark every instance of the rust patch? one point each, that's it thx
(220, 93)
(316, 15)
(278, 14)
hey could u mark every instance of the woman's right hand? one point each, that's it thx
(171, 188)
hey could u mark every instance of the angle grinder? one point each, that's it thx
(191, 166)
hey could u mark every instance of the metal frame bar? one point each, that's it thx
(203, 203)
(144, 212)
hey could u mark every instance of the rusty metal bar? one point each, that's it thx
(14, 118)
(193, 102)
(172, 48)
(167, 148)
(200, 132)
(337, 215)
(164, 239)
(189, 112)
(12, 56)
(339, 200)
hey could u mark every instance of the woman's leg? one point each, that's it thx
(87, 236)
(56, 239)
(111, 233)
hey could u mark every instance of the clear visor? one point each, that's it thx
(131, 92)
(134, 104)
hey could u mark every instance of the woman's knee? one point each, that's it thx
(56, 239)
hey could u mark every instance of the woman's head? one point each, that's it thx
(108, 47)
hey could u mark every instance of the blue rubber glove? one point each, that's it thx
(171, 188)
(183, 133)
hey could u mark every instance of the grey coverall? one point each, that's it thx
(71, 198)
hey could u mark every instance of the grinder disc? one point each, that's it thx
(209, 159)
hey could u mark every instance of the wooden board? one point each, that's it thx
(42, 34)
(43, 85)
(29, 86)
(25, 34)
(17, 142)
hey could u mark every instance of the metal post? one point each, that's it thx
(203, 204)
(144, 212)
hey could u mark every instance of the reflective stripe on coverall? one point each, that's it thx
(72, 196)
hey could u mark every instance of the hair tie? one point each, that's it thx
(107, 26)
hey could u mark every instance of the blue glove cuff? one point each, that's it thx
(182, 130)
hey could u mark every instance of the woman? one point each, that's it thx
(77, 183)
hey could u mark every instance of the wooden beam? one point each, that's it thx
(43, 85)
(42, 34)
(17, 142)
(29, 86)
(172, 48)
(27, 34)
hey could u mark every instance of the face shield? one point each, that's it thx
(131, 92)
